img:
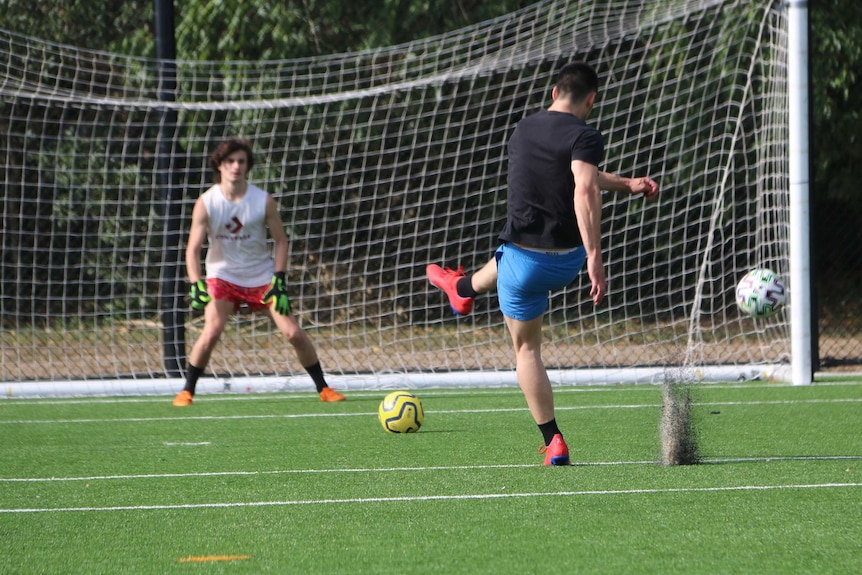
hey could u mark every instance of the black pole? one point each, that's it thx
(812, 216)
(171, 300)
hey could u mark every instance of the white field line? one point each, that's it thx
(442, 411)
(513, 390)
(423, 498)
(705, 461)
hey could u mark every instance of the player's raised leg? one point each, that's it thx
(462, 289)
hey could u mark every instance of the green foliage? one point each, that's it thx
(83, 23)
(231, 30)
(220, 32)
(836, 156)
(836, 90)
(241, 30)
(245, 30)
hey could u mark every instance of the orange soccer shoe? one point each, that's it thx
(557, 453)
(447, 280)
(328, 394)
(183, 399)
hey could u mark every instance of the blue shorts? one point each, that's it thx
(525, 278)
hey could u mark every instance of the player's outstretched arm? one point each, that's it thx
(644, 185)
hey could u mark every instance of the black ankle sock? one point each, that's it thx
(465, 287)
(549, 430)
(192, 375)
(316, 373)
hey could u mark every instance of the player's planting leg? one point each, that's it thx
(536, 386)
(556, 452)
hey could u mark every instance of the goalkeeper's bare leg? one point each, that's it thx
(306, 354)
(216, 314)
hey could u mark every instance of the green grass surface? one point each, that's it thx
(287, 484)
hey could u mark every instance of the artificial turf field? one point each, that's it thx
(287, 484)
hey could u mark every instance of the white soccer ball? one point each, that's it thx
(760, 293)
(401, 412)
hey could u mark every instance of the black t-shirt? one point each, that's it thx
(541, 203)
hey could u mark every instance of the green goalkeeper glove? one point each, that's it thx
(198, 294)
(277, 294)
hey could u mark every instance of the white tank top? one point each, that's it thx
(238, 251)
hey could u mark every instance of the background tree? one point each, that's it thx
(259, 29)
(246, 29)
(836, 137)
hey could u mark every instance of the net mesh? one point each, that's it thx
(384, 161)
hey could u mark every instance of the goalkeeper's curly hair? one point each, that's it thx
(227, 148)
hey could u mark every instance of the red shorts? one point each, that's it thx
(251, 296)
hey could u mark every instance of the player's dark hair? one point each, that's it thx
(227, 148)
(576, 81)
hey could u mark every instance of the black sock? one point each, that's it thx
(316, 373)
(549, 430)
(192, 375)
(465, 287)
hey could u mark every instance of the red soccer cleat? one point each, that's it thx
(557, 453)
(447, 280)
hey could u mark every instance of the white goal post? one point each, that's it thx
(386, 160)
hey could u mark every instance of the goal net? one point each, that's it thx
(382, 162)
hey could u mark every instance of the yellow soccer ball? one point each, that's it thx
(401, 412)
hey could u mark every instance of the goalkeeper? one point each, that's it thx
(234, 216)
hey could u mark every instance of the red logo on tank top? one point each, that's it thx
(235, 227)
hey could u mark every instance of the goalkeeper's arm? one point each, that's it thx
(198, 291)
(276, 295)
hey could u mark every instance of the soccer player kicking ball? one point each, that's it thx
(553, 227)
(234, 216)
